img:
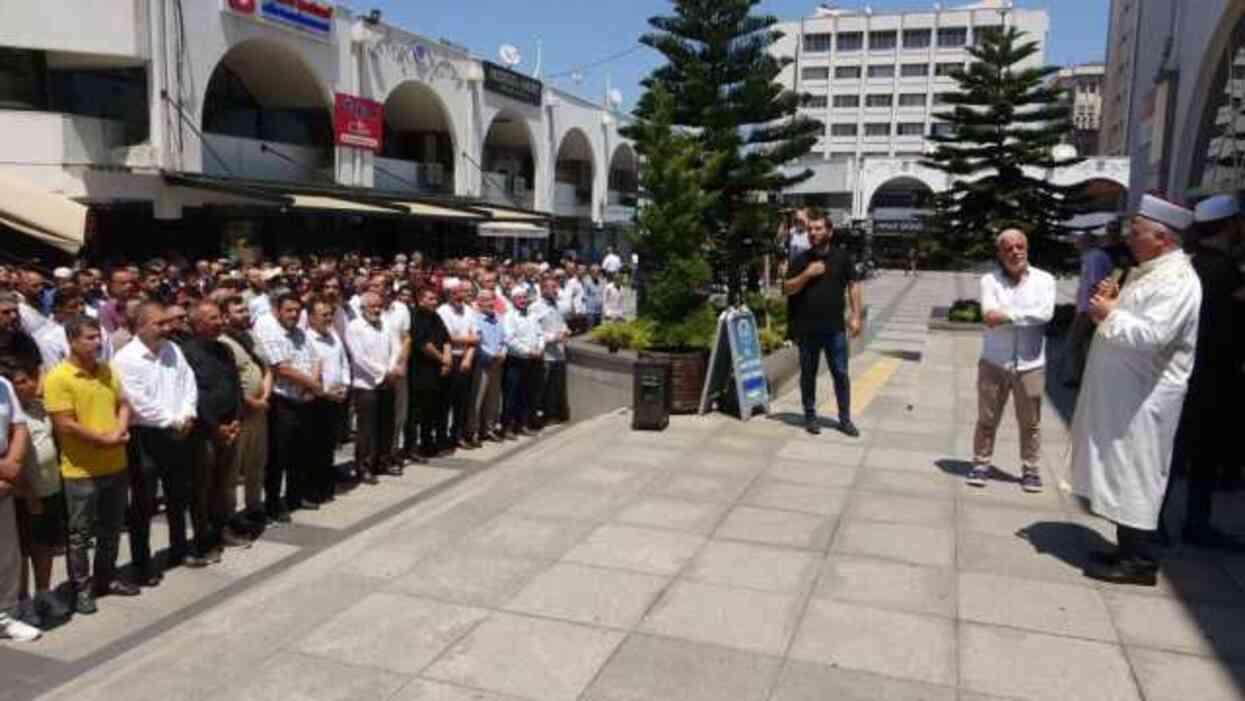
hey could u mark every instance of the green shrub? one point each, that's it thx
(771, 340)
(636, 335)
(965, 310)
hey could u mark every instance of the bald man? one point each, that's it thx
(1017, 300)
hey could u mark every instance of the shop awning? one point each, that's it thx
(335, 204)
(513, 230)
(514, 214)
(432, 211)
(53, 219)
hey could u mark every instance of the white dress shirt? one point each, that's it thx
(279, 346)
(1019, 344)
(612, 301)
(334, 364)
(524, 337)
(159, 384)
(397, 321)
(612, 263)
(53, 344)
(372, 352)
(459, 322)
(32, 319)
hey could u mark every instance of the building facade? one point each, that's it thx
(140, 105)
(876, 80)
(1083, 86)
(1187, 134)
(1124, 40)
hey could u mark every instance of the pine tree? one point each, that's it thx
(722, 77)
(1004, 119)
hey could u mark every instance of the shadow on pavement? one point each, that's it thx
(960, 468)
(1070, 542)
(791, 418)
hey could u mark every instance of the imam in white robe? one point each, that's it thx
(1134, 387)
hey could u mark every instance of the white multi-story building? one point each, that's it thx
(876, 80)
(1084, 86)
(182, 124)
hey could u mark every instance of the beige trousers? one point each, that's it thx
(994, 385)
(249, 459)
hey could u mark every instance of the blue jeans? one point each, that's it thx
(834, 345)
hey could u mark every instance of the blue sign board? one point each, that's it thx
(737, 352)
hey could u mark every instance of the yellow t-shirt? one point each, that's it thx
(94, 399)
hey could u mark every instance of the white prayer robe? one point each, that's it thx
(1135, 380)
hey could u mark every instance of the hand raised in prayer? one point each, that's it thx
(1101, 306)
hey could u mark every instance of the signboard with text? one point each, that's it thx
(735, 363)
(309, 17)
(511, 84)
(358, 122)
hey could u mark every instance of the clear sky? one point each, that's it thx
(576, 33)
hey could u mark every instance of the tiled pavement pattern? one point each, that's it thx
(717, 560)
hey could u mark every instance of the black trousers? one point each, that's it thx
(158, 455)
(521, 385)
(290, 444)
(324, 417)
(373, 427)
(209, 503)
(431, 411)
(459, 400)
(1204, 449)
(553, 400)
(1137, 545)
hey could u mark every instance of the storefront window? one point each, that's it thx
(231, 109)
(23, 80)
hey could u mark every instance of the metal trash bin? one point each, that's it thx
(650, 396)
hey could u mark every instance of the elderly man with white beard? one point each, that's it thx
(1134, 386)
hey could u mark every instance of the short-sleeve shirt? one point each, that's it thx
(428, 327)
(10, 413)
(93, 398)
(42, 465)
(819, 307)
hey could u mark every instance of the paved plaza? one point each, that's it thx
(717, 560)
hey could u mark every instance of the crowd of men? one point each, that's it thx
(175, 382)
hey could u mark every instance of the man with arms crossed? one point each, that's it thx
(1017, 300)
(818, 282)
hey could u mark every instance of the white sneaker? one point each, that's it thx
(16, 630)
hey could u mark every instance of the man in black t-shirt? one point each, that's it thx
(820, 283)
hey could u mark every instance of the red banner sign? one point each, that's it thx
(358, 122)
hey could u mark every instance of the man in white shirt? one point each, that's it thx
(53, 344)
(525, 347)
(397, 320)
(326, 408)
(160, 388)
(14, 439)
(611, 264)
(553, 403)
(373, 353)
(1017, 300)
(460, 321)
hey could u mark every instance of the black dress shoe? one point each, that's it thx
(812, 426)
(84, 602)
(1104, 557)
(151, 575)
(392, 471)
(849, 429)
(1124, 571)
(196, 562)
(418, 459)
(305, 505)
(117, 587)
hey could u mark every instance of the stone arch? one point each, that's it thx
(1105, 194)
(624, 161)
(913, 182)
(262, 90)
(574, 171)
(1214, 71)
(419, 130)
(509, 160)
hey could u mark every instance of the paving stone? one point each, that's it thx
(1010, 493)
(921, 545)
(1047, 607)
(390, 631)
(1167, 676)
(821, 475)
(894, 508)
(572, 504)
(601, 597)
(889, 585)
(424, 690)
(291, 676)
(531, 657)
(699, 517)
(900, 482)
(397, 554)
(1023, 664)
(892, 643)
(648, 456)
(745, 447)
(479, 579)
(1157, 622)
(704, 486)
(750, 566)
(775, 527)
(806, 681)
(825, 452)
(791, 496)
(1000, 520)
(617, 478)
(744, 619)
(648, 668)
(1013, 556)
(638, 549)
(527, 536)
